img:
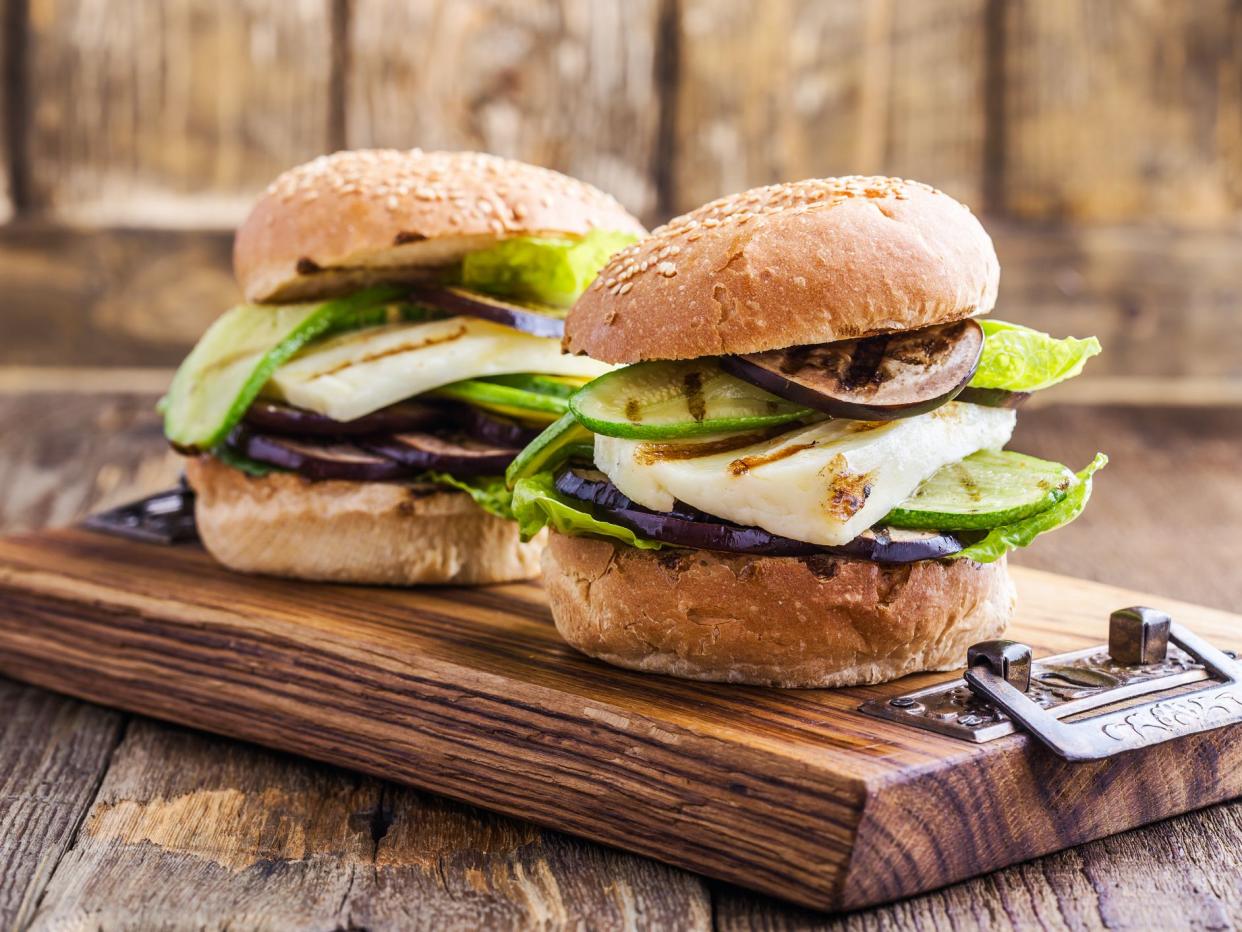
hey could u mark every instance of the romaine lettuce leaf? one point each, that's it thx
(489, 492)
(1019, 359)
(543, 269)
(537, 504)
(999, 541)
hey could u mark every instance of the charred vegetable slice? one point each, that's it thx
(495, 429)
(876, 378)
(669, 400)
(280, 418)
(461, 456)
(985, 490)
(228, 366)
(357, 373)
(557, 443)
(528, 406)
(689, 527)
(316, 460)
(537, 321)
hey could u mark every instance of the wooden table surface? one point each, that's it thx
(114, 821)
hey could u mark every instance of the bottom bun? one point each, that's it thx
(816, 621)
(359, 532)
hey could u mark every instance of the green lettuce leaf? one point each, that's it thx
(537, 504)
(999, 541)
(543, 269)
(1019, 359)
(489, 492)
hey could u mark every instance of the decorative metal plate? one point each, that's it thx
(163, 518)
(981, 706)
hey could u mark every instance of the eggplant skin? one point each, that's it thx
(688, 527)
(805, 622)
(879, 378)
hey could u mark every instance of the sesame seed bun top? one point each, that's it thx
(789, 265)
(358, 217)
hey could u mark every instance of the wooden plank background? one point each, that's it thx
(1102, 142)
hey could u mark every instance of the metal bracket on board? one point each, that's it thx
(163, 518)
(1004, 691)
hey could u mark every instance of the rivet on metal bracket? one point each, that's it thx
(1138, 635)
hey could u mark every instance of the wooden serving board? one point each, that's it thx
(471, 693)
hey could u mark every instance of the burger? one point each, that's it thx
(399, 345)
(798, 478)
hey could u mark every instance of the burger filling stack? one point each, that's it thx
(400, 346)
(799, 477)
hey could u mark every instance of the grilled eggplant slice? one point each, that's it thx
(878, 378)
(277, 418)
(689, 527)
(539, 322)
(317, 460)
(460, 456)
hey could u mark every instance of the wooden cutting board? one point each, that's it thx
(470, 693)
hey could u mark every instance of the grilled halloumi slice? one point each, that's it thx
(359, 372)
(825, 483)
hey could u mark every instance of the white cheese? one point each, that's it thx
(362, 371)
(824, 484)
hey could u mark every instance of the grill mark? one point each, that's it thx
(393, 351)
(862, 427)
(692, 386)
(743, 465)
(847, 493)
(864, 367)
(967, 482)
(648, 453)
(795, 359)
(224, 362)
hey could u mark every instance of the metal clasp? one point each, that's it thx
(1147, 653)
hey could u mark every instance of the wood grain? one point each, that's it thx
(55, 752)
(1122, 111)
(67, 454)
(109, 298)
(559, 83)
(1162, 303)
(235, 836)
(172, 114)
(471, 693)
(1107, 881)
(12, 98)
(794, 89)
(1178, 874)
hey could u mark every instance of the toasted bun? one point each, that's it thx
(358, 217)
(356, 532)
(771, 621)
(787, 265)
